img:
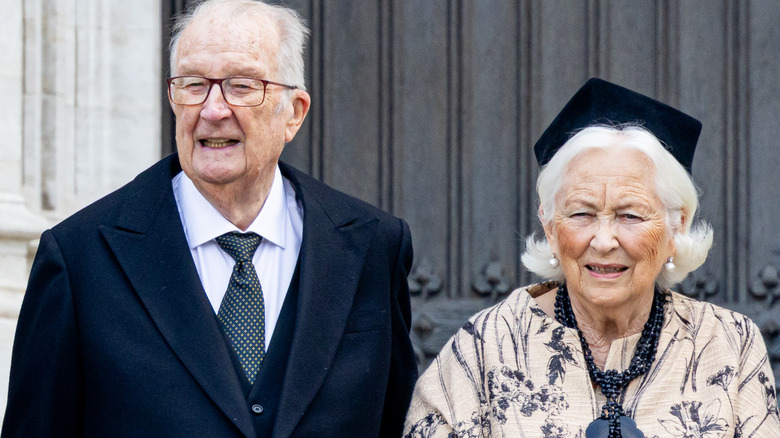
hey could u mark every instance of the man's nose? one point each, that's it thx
(605, 235)
(215, 107)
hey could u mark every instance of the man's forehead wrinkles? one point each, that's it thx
(226, 69)
(237, 53)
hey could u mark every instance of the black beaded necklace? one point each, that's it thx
(612, 423)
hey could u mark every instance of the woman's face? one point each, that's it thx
(609, 228)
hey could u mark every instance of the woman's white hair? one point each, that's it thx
(291, 27)
(673, 185)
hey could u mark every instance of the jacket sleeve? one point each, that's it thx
(756, 411)
(45, 396)
(403, 366)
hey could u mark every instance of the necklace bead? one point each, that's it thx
(614, 382)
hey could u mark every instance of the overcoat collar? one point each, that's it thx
(151, 247)
(149, 243)
(333, 251)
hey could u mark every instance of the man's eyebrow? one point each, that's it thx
(244, 70)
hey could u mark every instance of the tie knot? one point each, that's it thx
(239, 246)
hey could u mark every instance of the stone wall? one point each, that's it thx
(80, 81)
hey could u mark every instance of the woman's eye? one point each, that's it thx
(631, 217)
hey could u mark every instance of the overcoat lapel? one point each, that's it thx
(150, 245)
(333, 251)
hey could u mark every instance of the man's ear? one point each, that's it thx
(301, 101)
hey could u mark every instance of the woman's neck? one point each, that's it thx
(602, 326)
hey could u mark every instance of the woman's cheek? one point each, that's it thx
(572, 237)
(645, 241)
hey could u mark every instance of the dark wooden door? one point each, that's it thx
(429, 109)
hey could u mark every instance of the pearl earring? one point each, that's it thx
(669, 265)
(553, 262)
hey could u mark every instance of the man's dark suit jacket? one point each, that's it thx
(117, 338)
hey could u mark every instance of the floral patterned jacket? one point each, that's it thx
(512, 371)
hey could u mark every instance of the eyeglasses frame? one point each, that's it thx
(215, 81)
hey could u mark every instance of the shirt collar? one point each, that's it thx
(203, 222)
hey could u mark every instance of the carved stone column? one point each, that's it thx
(80, 82)
(18, 226)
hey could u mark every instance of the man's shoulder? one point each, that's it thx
(148, 187)
(333, 200)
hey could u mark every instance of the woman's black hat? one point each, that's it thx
(599, 102)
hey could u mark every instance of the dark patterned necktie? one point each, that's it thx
(242, 311)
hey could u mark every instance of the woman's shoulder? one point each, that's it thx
(517, 313)
(522, 299)
(519, 305)
(685, 305)
(690, 312)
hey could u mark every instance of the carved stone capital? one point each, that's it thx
(424, 281)
(491, 281)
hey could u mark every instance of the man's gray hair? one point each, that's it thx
(291, 27)
(673, 185)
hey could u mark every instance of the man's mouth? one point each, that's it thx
(606, 269)
(217, 143)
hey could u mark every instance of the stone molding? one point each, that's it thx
(81, 115)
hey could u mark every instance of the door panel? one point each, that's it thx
(430, 109)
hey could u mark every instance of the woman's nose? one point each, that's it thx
(605, 235)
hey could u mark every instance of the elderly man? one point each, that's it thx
(221, 293)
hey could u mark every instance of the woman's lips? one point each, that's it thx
(606, 271)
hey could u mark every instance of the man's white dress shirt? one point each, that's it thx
(279, 223)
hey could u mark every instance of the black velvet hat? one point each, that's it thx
(599, 102)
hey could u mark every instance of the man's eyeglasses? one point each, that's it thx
(194, 90)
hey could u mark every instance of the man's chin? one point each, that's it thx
(215, 175)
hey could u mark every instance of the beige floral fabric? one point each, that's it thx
(513, 371)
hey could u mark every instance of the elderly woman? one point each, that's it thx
(605, 349)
